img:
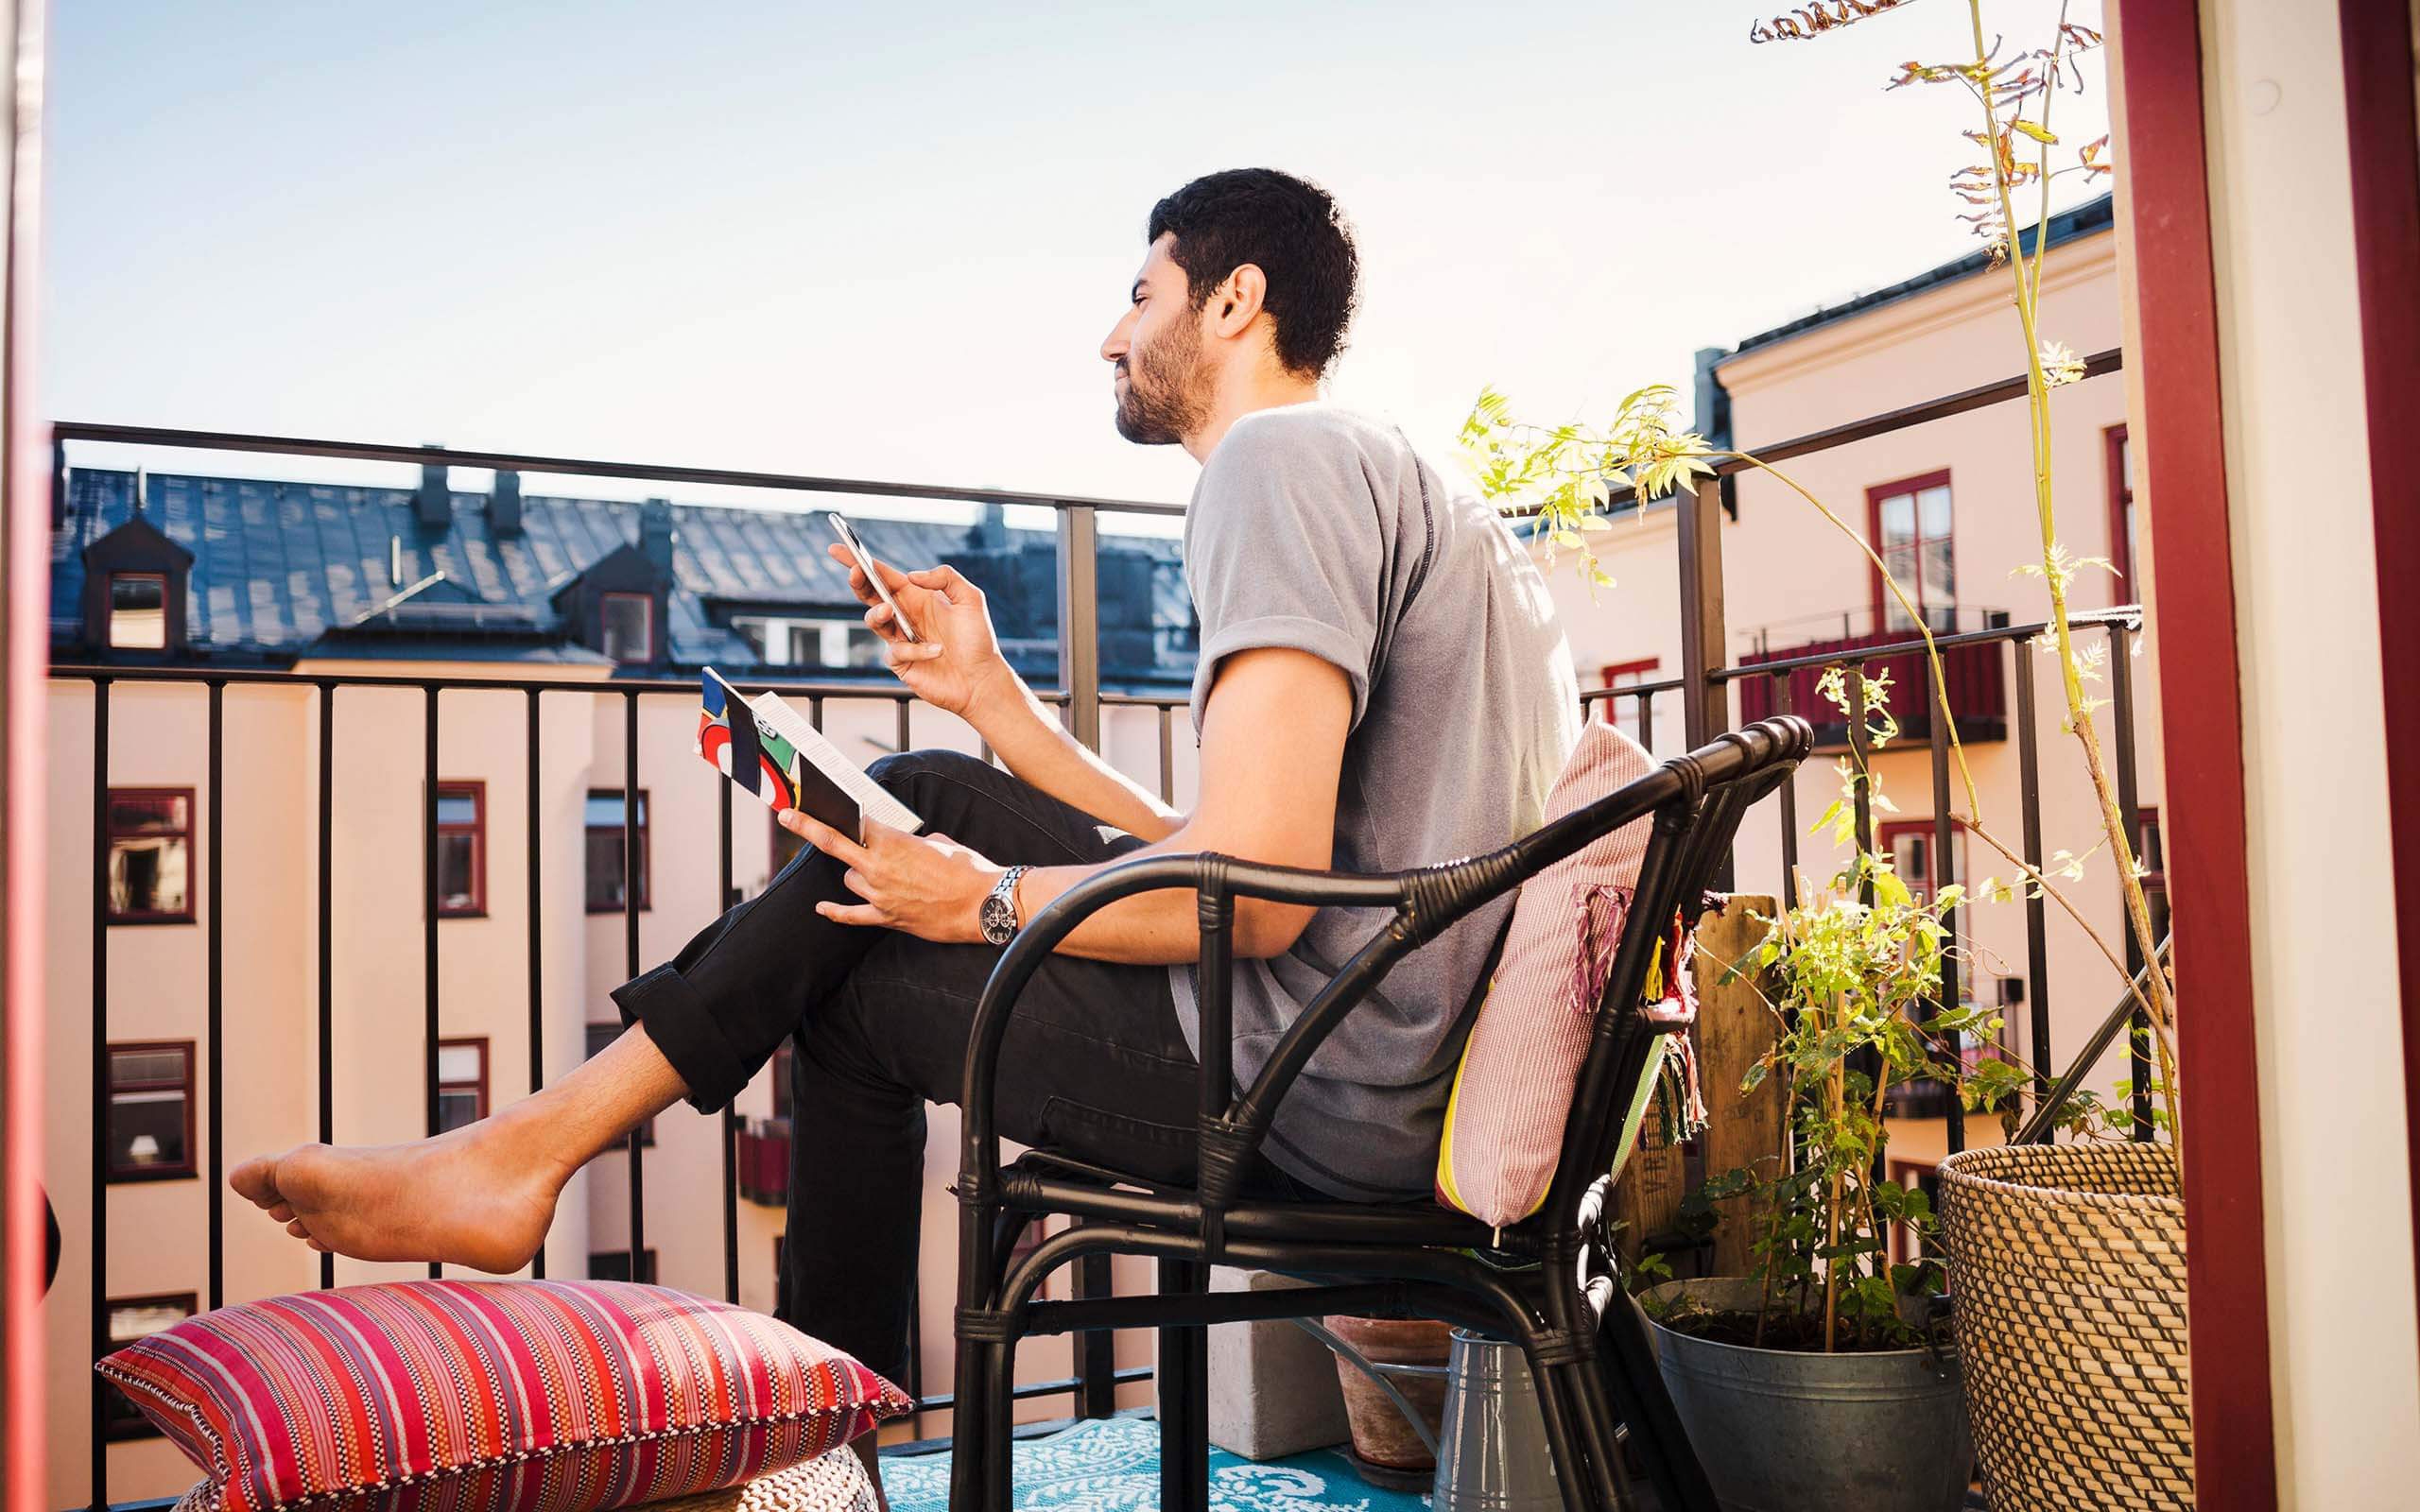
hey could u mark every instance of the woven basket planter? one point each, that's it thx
(2068, 1265)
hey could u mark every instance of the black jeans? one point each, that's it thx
(1094, 1063)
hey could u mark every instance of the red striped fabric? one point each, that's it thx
(444, 1395)
(1512, 1093)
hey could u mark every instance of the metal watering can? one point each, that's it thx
(1492, 1449)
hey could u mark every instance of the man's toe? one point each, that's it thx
(255, 1180)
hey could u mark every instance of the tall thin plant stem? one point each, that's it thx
(2037, 393)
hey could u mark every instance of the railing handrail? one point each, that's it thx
(834, 688)
(2130, 615)
(586, 466)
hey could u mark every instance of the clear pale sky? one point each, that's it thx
(887, 241)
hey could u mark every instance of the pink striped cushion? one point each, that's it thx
(444, 1395)
(1512, 1093)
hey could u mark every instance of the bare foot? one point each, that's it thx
(479, 1196)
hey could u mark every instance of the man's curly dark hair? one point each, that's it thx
(1289, 228)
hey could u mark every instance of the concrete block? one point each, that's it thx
(1273, 1390)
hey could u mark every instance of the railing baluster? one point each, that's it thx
(1861, 784)
(1947, 996)
(1646, 720)
(1167, 754)
(902, 703)
(1079, 621)
(215, 1180)
(2037, 938)
(723, 902)
(100, 1216)
(327, 936)
(1096, 1349)
(2122, 696)
(1783, 702)
(531, 809)
(428, 924)
(631, 875)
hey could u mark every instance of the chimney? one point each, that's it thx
(991, 532)
(503, 504)
(142, 487)
(433, 506)
(656, 534)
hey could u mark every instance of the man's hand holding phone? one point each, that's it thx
(952, 660)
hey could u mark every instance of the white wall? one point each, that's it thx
(2335, 1184)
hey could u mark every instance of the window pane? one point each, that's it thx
(455, 1110)
(1912, 858)
(1898, 513)
(457, 865)
(627, 627)
(148, 876)
(456, 808)
(148, 813)
(805, 645)
(1934, 511)
(459, 1063)
(1940, 574)
(605, 869)
(146, 1130)
(138, 611)
(130, 1321)
(139, 1068)
(605, 811)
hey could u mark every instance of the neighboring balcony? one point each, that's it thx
(1798, 652)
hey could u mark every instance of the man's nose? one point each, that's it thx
(1113, 345)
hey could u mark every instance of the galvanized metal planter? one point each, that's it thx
(1781, 1431)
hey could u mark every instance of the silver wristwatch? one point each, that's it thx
(999, 919)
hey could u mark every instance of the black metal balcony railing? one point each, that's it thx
(1703, 690)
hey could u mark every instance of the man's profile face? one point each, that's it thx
(1155, 355)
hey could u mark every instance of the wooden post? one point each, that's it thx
(1648, 1197)
(1735, 1028)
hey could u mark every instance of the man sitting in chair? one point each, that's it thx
(1381, 685)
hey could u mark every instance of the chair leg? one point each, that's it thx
(1555, 1405)
(971, 1428)
(1630, 1372)
(1184, 1397)
(1000, 1401)
(1598, 1423)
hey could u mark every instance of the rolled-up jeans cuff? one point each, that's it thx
(684, 1032)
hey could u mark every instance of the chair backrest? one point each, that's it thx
(1692, 833)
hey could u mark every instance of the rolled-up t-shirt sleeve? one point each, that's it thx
(1284, 549)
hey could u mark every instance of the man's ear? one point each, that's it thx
(1237, 299)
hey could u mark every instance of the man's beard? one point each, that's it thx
(1161, 404)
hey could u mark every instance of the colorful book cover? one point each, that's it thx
(765, 749)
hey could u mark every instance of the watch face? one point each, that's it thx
(999, 919)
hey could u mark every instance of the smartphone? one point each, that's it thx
(865, 561)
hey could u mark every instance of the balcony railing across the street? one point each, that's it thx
(1981, 662)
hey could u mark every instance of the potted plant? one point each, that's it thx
(1828, 1374)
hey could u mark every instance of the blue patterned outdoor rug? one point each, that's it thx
(1113, 1465)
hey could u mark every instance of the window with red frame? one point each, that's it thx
(150, 1132)
(629, 628)
(1909, 843)
(461, 850)
(150, 839)
(2121, 517)
(1909, 523)
(1624, 712)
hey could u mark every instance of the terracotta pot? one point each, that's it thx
(1380, 1433)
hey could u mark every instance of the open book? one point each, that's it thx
(761, 745)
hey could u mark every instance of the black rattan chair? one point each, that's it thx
(1545, 1283)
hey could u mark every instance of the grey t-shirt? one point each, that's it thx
(1318, 528)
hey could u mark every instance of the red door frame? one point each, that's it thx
(24, 643)
(2183, 452)
(2386, 249)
